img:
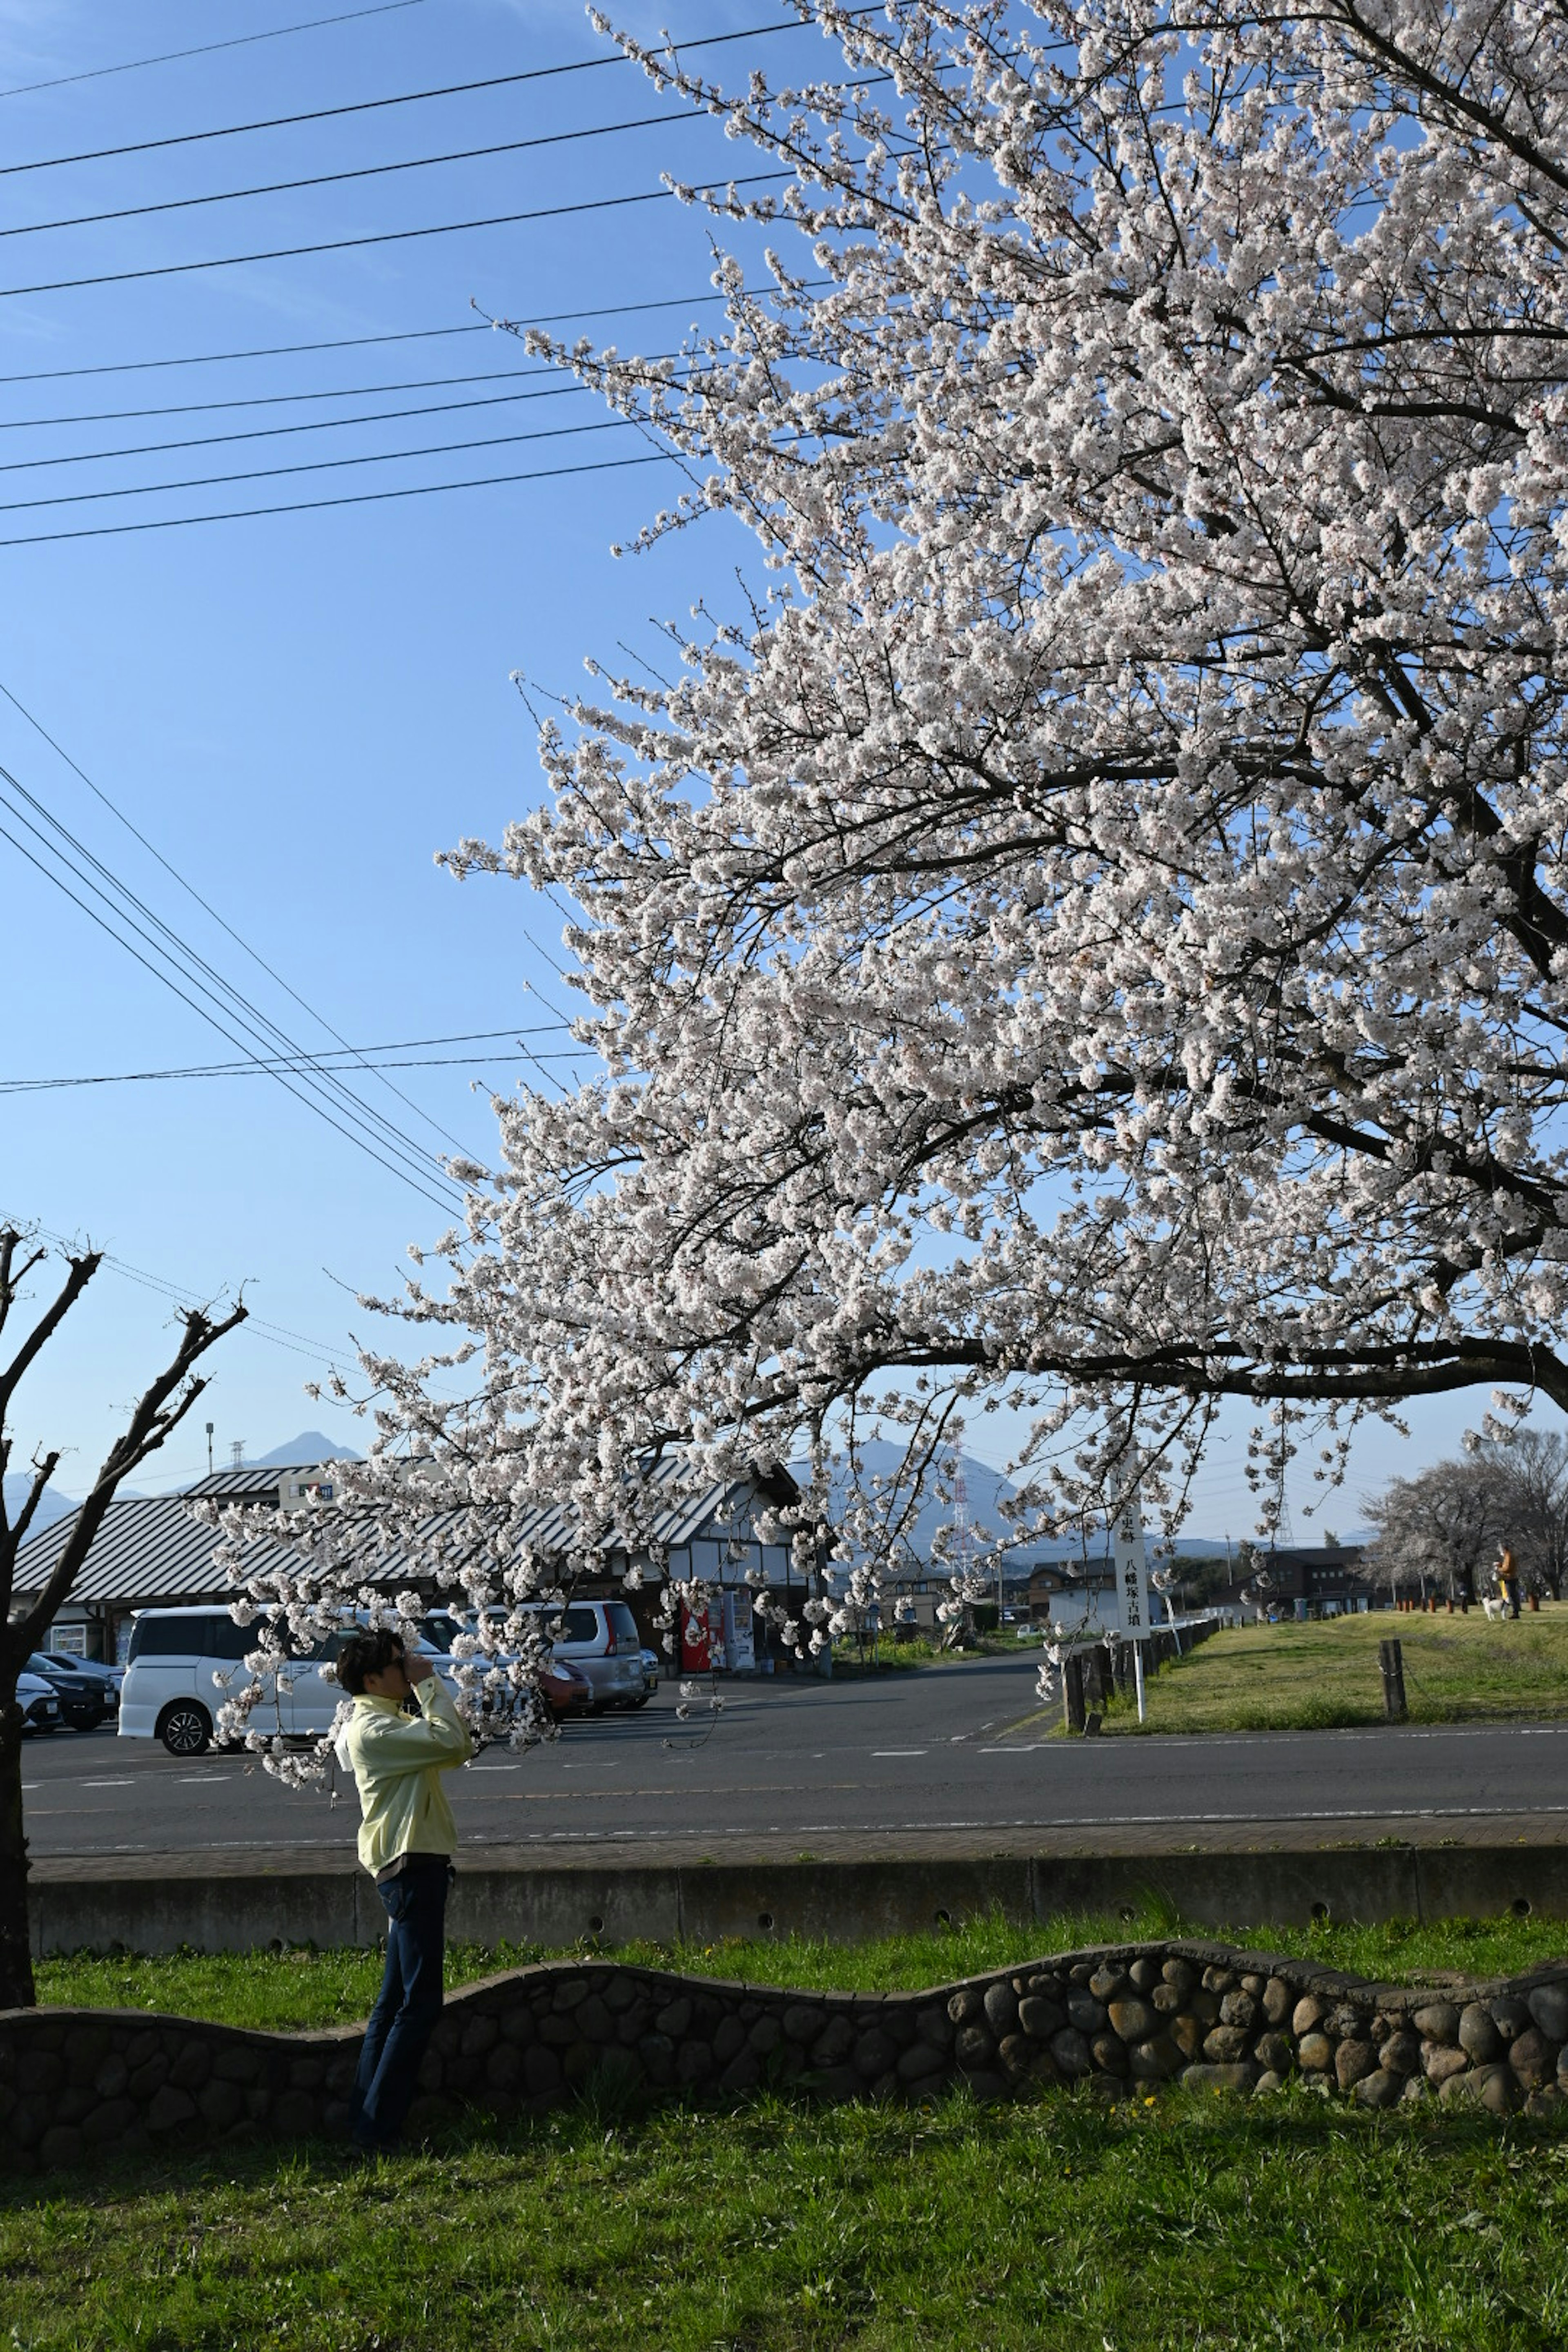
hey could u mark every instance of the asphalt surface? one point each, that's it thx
(949, 1752)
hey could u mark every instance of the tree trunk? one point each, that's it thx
(16, 1943)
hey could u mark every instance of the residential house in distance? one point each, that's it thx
(1324, 1579)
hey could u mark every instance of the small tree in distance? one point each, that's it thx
(1444, 1529)
(160, 1408)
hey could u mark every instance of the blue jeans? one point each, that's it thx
(409, 2002)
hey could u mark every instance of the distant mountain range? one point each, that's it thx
(310, 1447)
(52, 1504)
(986, 1490)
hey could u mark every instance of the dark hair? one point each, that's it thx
(367, 1654)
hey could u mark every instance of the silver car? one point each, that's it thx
(600, 1638)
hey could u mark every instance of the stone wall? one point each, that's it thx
(1115, 2020)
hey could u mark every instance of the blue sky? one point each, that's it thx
(298, 710)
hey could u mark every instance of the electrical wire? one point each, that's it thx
(205, 1014)
(209, 48)
(556, 391)
(205, 905)
(405, 97)
(275, 399)
(323, 465)
(363, 342)
(352, 498)
(686, 114)
(387, 237)
(370, 1130)
(225, 1070)
(187, 1295)
(359, 172)
(264, 1068)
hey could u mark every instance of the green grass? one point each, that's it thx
(1293, 2224)
(289, 1990)
(1324, 1675)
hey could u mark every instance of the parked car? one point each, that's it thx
(84, 1701)
(564, 1686)
(601, 1638)
(108, 1674)
(40, 1708)
(185, 1662)
(566, 1689)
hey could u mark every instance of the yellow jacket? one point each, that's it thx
(397, 1761)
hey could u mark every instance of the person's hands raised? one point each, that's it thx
(417, 1668)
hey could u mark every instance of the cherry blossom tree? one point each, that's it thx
(1086, 930)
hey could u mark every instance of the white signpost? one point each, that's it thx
(1132, 1581)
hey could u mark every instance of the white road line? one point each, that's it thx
(185, 1780)
(900, 1751)
(107, 1784)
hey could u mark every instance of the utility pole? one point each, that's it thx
(209, 1449)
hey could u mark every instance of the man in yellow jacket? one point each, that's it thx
(407, 1839)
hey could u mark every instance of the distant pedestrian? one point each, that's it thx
(407, 1839)
(1508, 1581)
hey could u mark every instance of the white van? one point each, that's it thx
(184, 1663)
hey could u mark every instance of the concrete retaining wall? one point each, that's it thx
(165, 1903)
(1122, 2021)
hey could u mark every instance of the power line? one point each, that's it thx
(310, 1103)
(385, 236)
(208, 49)
(371, 1130)
(275, 399)
(223, 1069)
(556, 391)
(363, 342)
(206, 907)
(260, 1069)
(405, 97)
(350, 498)
(359, 172)
(186, 1295)
(321, 464)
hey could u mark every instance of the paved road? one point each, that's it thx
(948, 1750)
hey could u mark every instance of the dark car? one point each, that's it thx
(40, 1708)
(84, 1698)
(110, 1676)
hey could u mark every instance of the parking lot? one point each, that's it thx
(949, 1749)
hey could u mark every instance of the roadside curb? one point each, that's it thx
(159, 1904)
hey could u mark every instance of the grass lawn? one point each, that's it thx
(1056, 2227)
(1323, 1675)
(289, 1990)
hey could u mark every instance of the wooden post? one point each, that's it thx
(1072, 1690)
(1097, 1677)
(1390, 1658)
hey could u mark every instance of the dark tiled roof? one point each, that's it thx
(152, 1549)
(148, 1549)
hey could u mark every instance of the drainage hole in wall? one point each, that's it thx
(765, 1921)
(1319, 1910)
(945, 1919)
(595, 1925)
(1520, 1906)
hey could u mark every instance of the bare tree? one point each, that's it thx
(160, 1408)
(1532, 1474)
